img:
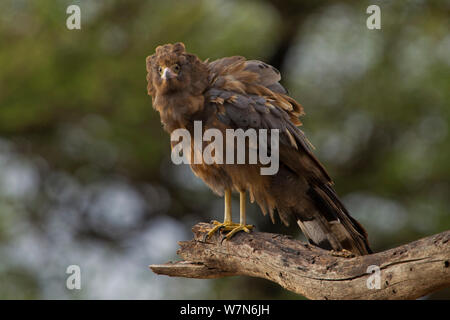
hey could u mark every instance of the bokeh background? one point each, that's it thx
(85, 170)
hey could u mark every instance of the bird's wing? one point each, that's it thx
(247, 94)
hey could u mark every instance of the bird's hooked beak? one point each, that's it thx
(167, 74)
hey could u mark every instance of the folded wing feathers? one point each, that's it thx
(238, 84)
(253, 79)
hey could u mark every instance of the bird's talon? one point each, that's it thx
(246, 228)
(231, 227)
(343, 253)
(219, 226)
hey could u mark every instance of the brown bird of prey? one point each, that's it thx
(233, 93)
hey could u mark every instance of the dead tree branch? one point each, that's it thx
(406, 272)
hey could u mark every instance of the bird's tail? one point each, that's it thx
(330, 226)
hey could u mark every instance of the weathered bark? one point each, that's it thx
(406, 272)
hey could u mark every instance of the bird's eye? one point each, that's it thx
(176, 68)
(159, 69)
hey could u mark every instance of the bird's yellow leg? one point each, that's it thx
(243, 218)
(227, 224)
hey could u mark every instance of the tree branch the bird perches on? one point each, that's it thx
(406, 272)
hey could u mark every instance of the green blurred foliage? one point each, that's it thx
(75, 120)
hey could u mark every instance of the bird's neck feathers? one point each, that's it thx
(178, 108)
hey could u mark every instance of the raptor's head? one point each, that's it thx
(171, 69)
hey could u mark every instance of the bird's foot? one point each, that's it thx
(344, 253)
(240, 227)
(230, 227)
(226, 226)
